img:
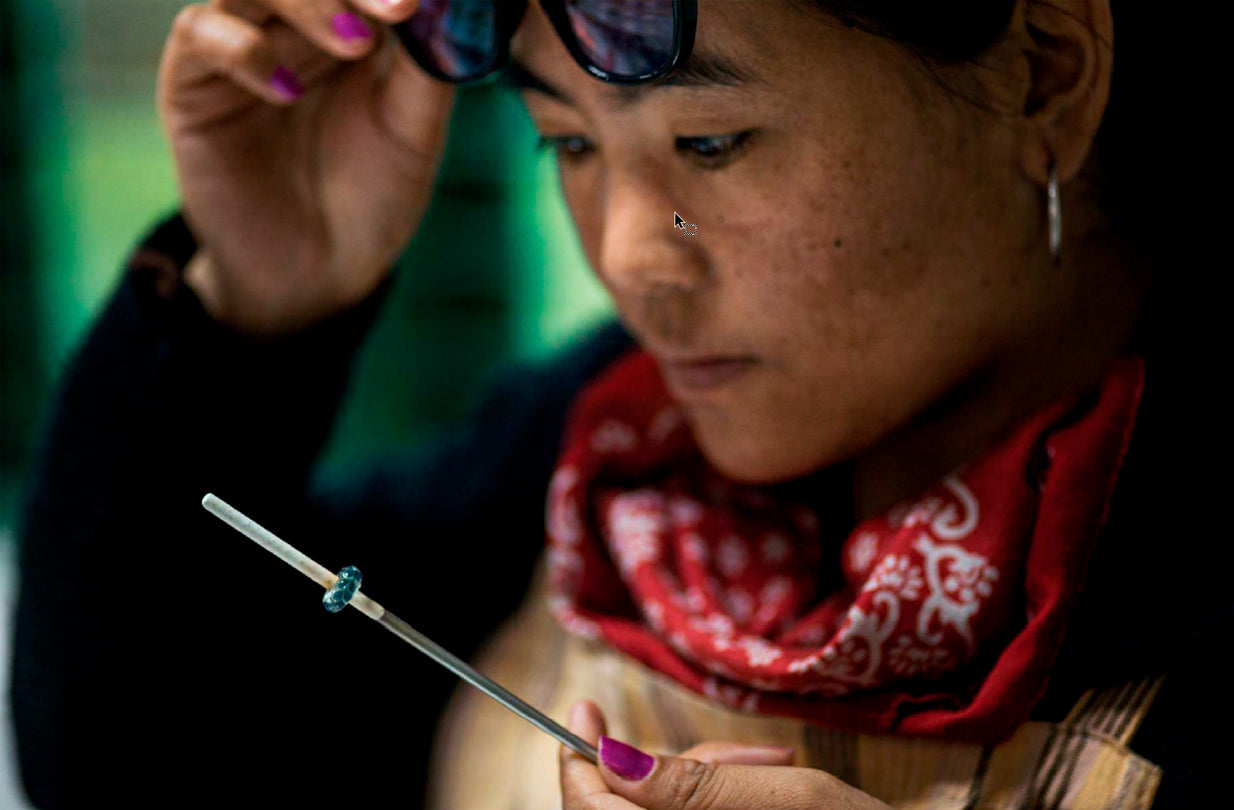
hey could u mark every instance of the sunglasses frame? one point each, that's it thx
(509, 15)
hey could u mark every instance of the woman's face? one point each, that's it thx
(862, 235)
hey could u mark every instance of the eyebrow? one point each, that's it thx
(702, 69)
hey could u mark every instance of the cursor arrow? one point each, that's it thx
(678, 222)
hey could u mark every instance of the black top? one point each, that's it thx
(158, 655)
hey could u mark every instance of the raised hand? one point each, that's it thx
(306, 143)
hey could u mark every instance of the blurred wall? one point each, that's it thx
(494, 273)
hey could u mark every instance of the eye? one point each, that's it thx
(715, 150)
(567, 147)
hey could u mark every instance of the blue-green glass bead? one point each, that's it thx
(344, 589)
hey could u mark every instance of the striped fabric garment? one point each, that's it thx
(488, 759)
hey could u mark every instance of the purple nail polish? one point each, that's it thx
(625, 760)
(286, 83)
(349, 26)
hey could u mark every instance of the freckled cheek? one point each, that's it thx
(794, 294)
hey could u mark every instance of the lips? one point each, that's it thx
(702, 374)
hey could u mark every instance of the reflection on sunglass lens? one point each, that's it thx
(624, 37)
(457, 38)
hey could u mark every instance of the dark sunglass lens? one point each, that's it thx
(626, 38)
(455, 39)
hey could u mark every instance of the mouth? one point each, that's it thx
(694, 375)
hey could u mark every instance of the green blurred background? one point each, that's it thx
(494, 274)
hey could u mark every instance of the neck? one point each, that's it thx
(1067, 353)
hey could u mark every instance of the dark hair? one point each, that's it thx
(949, 33)
(1130, 187)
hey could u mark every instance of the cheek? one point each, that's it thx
(864, 251)
(814, 262)
(582, 188)
(870, 303)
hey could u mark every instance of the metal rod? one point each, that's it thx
(322, 576)
(494, 690)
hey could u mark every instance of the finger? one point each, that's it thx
(412, 106)
(739, 754)
(587, 721)
(255, 11)
(333, 26)
(388, 11)
(674, 783)
(208, 42)
(580, 780)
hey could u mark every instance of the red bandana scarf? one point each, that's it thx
(953, 606)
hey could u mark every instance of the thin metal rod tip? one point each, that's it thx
(268, 540)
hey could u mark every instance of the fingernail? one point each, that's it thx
(349, 26)
(286, 83)
(625, 760)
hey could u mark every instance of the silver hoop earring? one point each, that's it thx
(1055, 215)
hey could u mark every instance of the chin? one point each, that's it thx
(751, 443)
(748, 461)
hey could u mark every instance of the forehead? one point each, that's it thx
(738, 43)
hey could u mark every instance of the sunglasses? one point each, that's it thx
(619, 41)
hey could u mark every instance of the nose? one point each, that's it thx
(642, 254)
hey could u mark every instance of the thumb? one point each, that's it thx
(414, 106)
(740, 753)
(677, 783)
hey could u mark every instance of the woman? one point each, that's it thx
(886, 390)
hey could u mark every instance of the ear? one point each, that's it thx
(1068, 46)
